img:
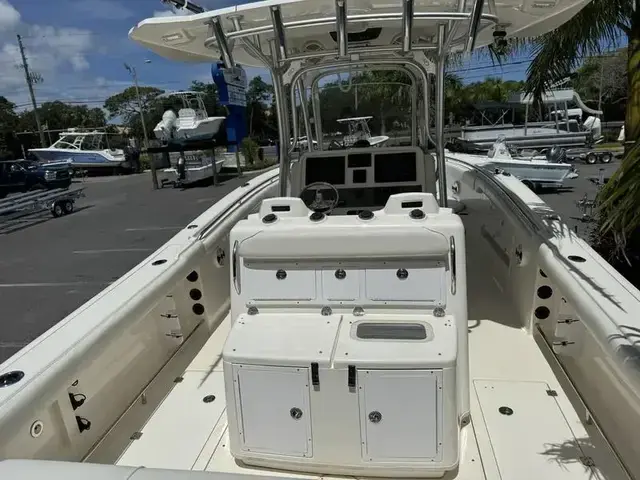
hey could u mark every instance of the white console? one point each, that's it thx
(372, 395)
(348, 352)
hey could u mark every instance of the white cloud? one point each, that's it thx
(53, 53)
(9, 16)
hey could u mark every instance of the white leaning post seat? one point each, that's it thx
(348, 349)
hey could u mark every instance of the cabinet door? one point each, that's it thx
(407, 284)
(399, 414)
(272, 404)
(262, 283)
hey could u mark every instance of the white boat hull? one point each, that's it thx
(540, 172)
(200, 130)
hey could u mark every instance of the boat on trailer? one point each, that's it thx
(335, 316)
(535, 171)
(358, 131)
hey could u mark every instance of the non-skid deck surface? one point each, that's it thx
(523, 426)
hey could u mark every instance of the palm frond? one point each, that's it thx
(619, 199)
(560, 51)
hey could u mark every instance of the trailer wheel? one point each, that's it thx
(591, 159)
(606, 157)
(67, 207)
(57, 210)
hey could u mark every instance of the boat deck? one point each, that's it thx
(543, 437)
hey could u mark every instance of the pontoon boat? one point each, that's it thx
(564, 126)
(334, 318)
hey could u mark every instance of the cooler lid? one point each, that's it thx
(396, 341)
(282, 339)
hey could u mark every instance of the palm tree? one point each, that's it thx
(558, 53)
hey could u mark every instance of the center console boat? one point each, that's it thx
(368, 312)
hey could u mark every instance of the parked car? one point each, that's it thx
(18, 176)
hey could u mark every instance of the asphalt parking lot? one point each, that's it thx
(563, 201)
(53, 265)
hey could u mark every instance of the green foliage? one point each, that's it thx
(261, 123)
(250, 149)
(126, 106)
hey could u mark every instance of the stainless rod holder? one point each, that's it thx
(407, 24)
(278, 30)
(341, 27)
(221, 40)
(474, 24)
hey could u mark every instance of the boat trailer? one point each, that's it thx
(58, 201)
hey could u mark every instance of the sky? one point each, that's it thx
(79, 48)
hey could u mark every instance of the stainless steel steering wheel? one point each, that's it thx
(320, 197)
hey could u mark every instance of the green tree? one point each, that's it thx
(8, 122)
(126, 106)
(259, 93)
(560, 52)
(210, 98)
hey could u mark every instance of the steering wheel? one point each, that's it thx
(320, 197)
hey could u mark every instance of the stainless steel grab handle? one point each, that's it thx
(234, 266)
(452, 247)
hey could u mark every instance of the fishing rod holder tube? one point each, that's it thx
(216, 26)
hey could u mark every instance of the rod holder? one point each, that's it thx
(278, 30)
(407, 24)
(341, 27)
(474, 24)
(221, 40)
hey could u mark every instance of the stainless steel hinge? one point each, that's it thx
(169, 315)
(563, 343)
(173, 335)
(135, 436)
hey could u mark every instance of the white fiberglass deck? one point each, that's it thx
(542, 439)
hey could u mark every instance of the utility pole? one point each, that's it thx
(29, 79)
(154, 174)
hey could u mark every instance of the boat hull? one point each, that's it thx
(182, 135)
(534, 137)
(81, 159)
(538, 172)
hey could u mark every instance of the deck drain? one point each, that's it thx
(209, 398)
(506, 410)
(159, 262)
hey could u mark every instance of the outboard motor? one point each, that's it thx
(556, 154)
(181, 167)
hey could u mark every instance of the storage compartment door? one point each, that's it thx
(272, 405)
(284, 282)
(399, 284)
(400, 415)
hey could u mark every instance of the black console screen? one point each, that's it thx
(395, 167)
(325, 169)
